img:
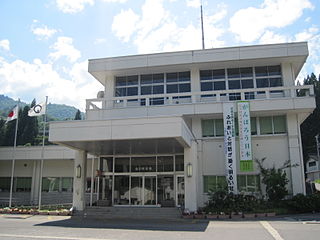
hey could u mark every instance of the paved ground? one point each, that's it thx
(299, 227)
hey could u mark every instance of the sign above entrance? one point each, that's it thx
(230, 146)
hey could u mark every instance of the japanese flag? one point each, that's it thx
(37, 110)
(13, 114)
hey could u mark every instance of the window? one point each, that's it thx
(178, 82)
(273, 125)
(212, 128)
(143, 164)
(152, 84)
(5, 184)
(50, 184)
(66, 184)
(179, 163)
(23, 184)
(212, 80)
(268, 76)
(126, 86)
(312, 164)
(165, 164)
(214, 183)
(240, 78)
(122, 164)
(248, 183)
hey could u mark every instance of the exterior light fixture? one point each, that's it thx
(189, 170)
(78, 171)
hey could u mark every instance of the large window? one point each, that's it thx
(273, 125)
(212, 128)
(248, 183)
(20, 184)
(57, 184)
(126, 86)
(268, 76)
(212, 80)
(214, 183)
(152, 84)
(178, 82)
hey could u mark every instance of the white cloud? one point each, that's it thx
(5, 44)
(270, 37)
(156, 29)
(194, 3)
(38, 79)
(64, 48)
(99, 40)
(114, 1)
(249, 24)
(43, 32)
(72, 6)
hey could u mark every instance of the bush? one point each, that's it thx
(301, 203)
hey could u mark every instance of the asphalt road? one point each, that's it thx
(302, 227)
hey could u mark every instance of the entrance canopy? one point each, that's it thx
(125, 136)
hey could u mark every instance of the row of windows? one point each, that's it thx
(259, 126)
(246, 183)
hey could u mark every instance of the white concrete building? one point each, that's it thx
(158, 130)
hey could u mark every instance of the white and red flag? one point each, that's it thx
(13, 114)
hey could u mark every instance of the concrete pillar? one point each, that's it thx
(191, 191)
(35, 184)
(79, 183)
(287, 74)
(295, 154)
(109, 91)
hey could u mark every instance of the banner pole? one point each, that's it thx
(42, 153)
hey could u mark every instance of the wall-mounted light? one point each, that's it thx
(189, 170)
(78, 171)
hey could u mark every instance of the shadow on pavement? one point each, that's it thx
(131, 224)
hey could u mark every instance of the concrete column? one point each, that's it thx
(109, 90)
(79, 182)
(35, 184)
(295, 154)
(191, 193)
(287, 74)
(195, 82)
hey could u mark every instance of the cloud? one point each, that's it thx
(250, 24)
(64, 48)
(114, 1)
(194, 3)
(99, 40)
(43, 32)
(37, 79)
(5, 44)
(270, 37)
(73, 6)
(156, 29)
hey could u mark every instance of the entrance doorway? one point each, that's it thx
(143, 190)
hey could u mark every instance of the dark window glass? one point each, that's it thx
(234, 96)
(218, 74)
(205, 74)
(184, 87)
(275, 82)
(247, 83)
(206, 86)
(249, 95)
(233, 73)
(146, 90)
(219, 85)
(246, 72)
(132, 80)
(172, 88)
(121, 92)
(158, 78)
(262, 82)
(274, 70)
(158, 89)
(121, 81)
(184, 76)
(261, 71)
(235, 84)
(132, 91)
(172, 77)
(146, 79)
(157, 101)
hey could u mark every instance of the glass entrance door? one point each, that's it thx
(143, 190)
(180, 191)
(150, 190)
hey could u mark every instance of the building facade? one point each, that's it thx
(158, 129)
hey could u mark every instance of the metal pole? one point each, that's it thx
(14, 155)
(42, 153)
(91, 187)
(202, 26)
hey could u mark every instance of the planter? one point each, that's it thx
(43, 213)
(55, 213)
(199, 216)
(64, 213)
(223, 216)
(236, 216)
(249, 215)
(271, 214)
(212, 216)
(260, 215)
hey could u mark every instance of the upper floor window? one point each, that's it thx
(152, 84)
(268, 76)
(240, 78)
(212, 80)
(126, 86)
(178, 82)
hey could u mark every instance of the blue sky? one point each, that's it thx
(45, 45)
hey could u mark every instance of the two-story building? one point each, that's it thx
(159, 126)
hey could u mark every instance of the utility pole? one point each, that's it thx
(202, 26)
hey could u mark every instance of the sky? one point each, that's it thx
(45, 44)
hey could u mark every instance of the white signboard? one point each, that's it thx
(230, 146)
(246, 162)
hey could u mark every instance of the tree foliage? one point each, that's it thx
(78, 115)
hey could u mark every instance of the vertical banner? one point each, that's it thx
(246, 161)
(229, 147)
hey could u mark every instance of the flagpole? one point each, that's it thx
(42, 152)
(14, 155)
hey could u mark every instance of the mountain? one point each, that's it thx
(54, 111)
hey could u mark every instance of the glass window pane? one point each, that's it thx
(219, 85)
(23, 184)
(184, 87)
(121, 92)
(121, 81)
(242, 185)
(275, 82)
(221, 182)
(66, 184)
(50, 184)
(246, 72)
(234, 84)
(132, 91)
(253, 122)
(158, 89)
(122, 164)
(121, 190)
(172, 88)
(218, 74)
(279, 123)
(158, 78)
(205, 74)
(146, 79)
(143, 164)
(179, 163)
(132, 80)
(172, 77)
(262, 82)
(107, 163)
(233, 73)
(165, 164)
(274, 70)
(265, 125)
(261, 71)
(5, 184)
(146, 90)
(209, 183)
(206, 86)
(248, 83)
(219, 127)
(184, 76)
(208, 128)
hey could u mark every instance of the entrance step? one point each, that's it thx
(130, 213)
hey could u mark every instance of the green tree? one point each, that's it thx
(78, 115)
(2, 131)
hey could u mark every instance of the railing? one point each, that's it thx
(200, 97)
